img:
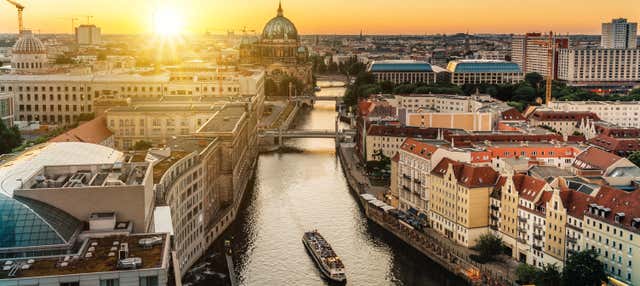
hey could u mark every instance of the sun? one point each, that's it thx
(167, 22)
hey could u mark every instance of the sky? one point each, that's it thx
(328, 16)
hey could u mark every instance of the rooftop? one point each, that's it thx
(161, 167)
(94, 131)
(400, 66)
(81, 176)
(99, 255)
(482, 66)
(226, 120)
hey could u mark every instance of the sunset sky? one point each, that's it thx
(329, 16)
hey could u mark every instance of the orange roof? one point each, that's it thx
(418, 148)
(595, 158)
(618, 202)
(94, 131)
(468, 175)
(575, 202)
(528, 187)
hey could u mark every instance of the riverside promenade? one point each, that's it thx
(438, 248)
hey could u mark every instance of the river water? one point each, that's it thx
(298, 191)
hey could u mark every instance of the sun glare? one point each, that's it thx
(168, 22)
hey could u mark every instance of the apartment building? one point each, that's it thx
(619, 34)
(484, 72)
(565, 122)
(386, 140)
(599, 67)
(621, 113)
(531, 54)
(459, 200)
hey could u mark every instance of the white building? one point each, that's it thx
(622, 113)
(88, 35)
(599, 66)
(484, 72)
(530, 53)
(28, 55)
(619, 34)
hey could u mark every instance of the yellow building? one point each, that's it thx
(470, 121)
(459, 200)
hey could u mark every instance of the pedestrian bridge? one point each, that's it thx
(308, 133)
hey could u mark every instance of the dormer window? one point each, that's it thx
(619, 217)
(635, 222)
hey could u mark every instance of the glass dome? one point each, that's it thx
(28, 44)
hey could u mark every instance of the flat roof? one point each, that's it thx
(100, 259)
(225, 120)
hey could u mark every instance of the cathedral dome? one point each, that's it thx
(28, 44)
(280, 28)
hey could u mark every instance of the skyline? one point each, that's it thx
(329, 17)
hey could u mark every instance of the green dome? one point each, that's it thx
(280, 28)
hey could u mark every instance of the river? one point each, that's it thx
(298, 191)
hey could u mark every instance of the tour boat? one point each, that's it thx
(328, 262)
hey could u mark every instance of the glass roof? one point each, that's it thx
(483, 66)
(400, 66)
(26, 222)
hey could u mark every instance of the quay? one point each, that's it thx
(436, 247)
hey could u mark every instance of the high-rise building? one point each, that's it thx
(599, 68)
(619, 34)
(529, 52)
(88, 35)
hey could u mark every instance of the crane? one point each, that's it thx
(73, 25)
(551, 45)
(20, 8)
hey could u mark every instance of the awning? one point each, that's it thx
(412, 211)
(422, 216)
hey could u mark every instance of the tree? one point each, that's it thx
(534, 79)
(548, 276)
(142, 145)
(584, 268)
(489, 245)
(387, 86)
(10, 138)
(635, 158)
(526, 273)
(524, 93)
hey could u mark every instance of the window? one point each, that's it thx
(109, 282)
(149, 281)
(70, 283)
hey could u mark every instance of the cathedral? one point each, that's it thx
(279, 50)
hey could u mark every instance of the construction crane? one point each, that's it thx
(20, 9)
(551, 45)
(89, 17)
(73, 25)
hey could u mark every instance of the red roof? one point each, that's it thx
(94, 131)
(468, 175)
(564, 116)
(397, 131)
(576, 203)
(616, 145)
(418, 148)
(528, 187)
(618, 202)
(595, 159)
(512, 114)
(396, 157)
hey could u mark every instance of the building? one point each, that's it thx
(386, 140)
(94, 131)
(459, 200)
(7, 109)
(563, 122)
(88, 35)
(404, 71)
(530, 53)
(619, 34)
(279, 50)
(611, 228)
(484, 72)
(599, 68)
(621, 113)
(28, 55)
(597, 162)
(59, 99)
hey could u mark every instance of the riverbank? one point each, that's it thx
(436, 247)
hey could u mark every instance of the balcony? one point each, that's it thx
(495, 208)
(522, 240)
(406, 188)
(537, 247)
(571, 239)
(494, 227)
(417, 181)
(406, 177)
(537, 226)
(522, 219)
(493, 217)
(537, 237)
(522, 230)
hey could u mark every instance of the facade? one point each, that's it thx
(532, 56)
(599, 67)
(386, 140)
(484, 72)
(470, 121)
(621, 113)
(459, 200)
(88, 35)
(7, 109)
(58, 99)
(619, 34)
(400, 71)
(565, 122)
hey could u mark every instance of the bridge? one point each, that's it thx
(314, 98)
(280, 135)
